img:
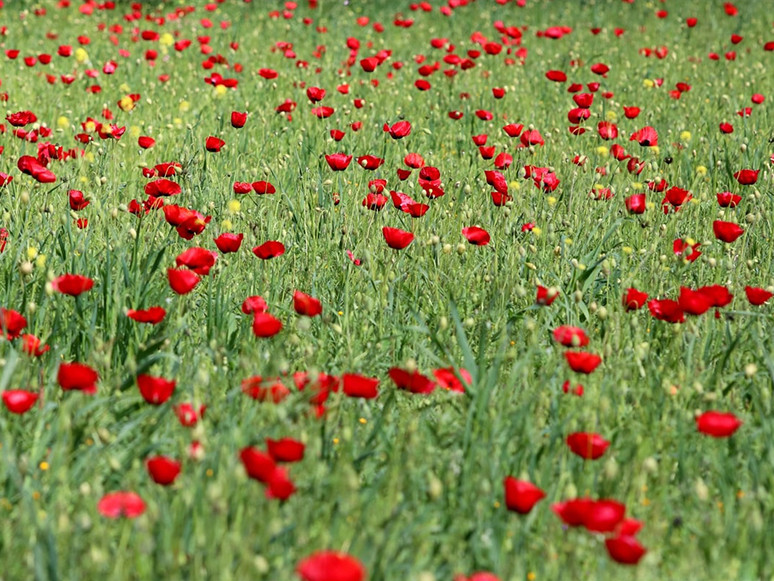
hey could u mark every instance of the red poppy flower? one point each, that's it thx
(607, 130)
(726, 128)
(182, 281)
(624, 549)
(270, 249)
(448, 380)
(162, 187)
(635, 204)
(214, 144)
(647, 137)
(76, 200)
(693, 302)
(531, 137)
(265, 325)
(398, 130)
(73, 284)
(285, 449)
(573, 512)
(254, 304)
(582, 362)
(263, 187)
(370, 162)
(306, 305)
(634, 299)
(355, 385)
(77, 376)
(570, 336)
(718, 295)
(413, 382)
(726, 231)
(727, 199)
(757, 296)
(163, 470)
(600, 69)
(545, 296)
(200, 260)
(146, 142)
(117, 504)
(12, 323)
(258, 465)
(476, 236)
(153, 315)
(631, 112)
(556, 76)
(155, 390)
(338, 161)
(604, 516)
(396, 238)
(228, 242)
(188, 415)
(747, 177)
(330, 566)
(31, 346)
(18, 401)
(280, 486)
(521, 496)
(238, 119)
(717, 424)
(587, 445)
(513, 129)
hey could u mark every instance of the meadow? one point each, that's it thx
(374, 290)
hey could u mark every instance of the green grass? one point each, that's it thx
(411, 485)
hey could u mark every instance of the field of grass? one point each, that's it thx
(425, 375)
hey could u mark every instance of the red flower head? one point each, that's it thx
(214, 144)
(163, 470)
(228, 242)
(285, 450)
(199, 260)
(635, 204)
(625, 549)
(263, 187)
(727, 199)
(238, 119)
(254, 304)
(573, 512)
(447, 379)
(396, 238)
(693, 302)
(604, 516)
(73, 284)
(413, 382)
(476, 236)
(12, 323)
(338, 161)
(76, 200)
(117, 504)
(545, 296)
(306, 305)
(188, 415)
(398, 130)
(666, 310)
(155, 390)
(77, 376)
(18, 401)
(265, 325)
(726, 231)
(582, 362)
(647, 137)
(153, 315)
(182, 281)
(570, 336)
(747, 177)
(258, 465)
(146, 142)
(589, 446)
(521, 496)
(634, 299)
(607, 130)
(355, 385)
(31, 346)
(270, 249)
(757, 296)
(330, 566)
(717, 424)
(370, 162)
